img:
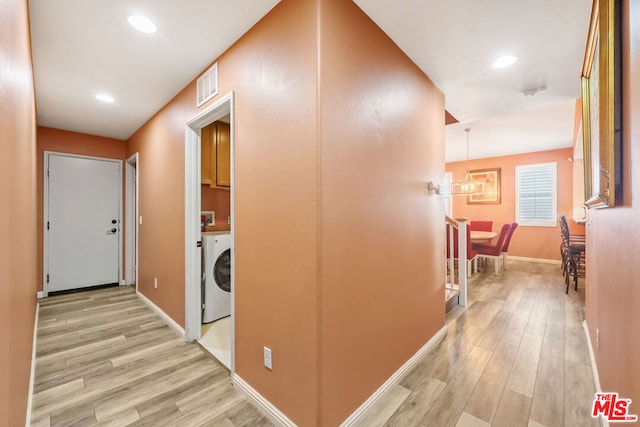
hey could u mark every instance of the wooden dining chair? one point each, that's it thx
(494, 251)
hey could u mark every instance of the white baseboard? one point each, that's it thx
(267, 408)
(359, 413)
(594, 368)
(33, 366)
(164, 316)
(40, 295)
(540, 260)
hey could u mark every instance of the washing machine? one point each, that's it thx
(216, 295)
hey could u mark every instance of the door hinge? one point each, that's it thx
(47, 278)
(48, 225)
(203, 306)
(199, 244)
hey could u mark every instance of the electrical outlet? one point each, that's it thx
(208, 218)
(267, 358)
(140, 219)
(155, 283)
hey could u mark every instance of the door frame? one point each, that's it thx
(131, 222)
(193, 268)
(45, 196)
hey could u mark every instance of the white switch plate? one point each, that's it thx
(140, 219)
(267, 358)
(155, 283)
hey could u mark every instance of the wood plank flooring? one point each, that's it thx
(517, 356)
(104, 358)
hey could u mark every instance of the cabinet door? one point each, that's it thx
(205, 155)
(223, 155)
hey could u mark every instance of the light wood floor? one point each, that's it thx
(104, 358)
(517, 356)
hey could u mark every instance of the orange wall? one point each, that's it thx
(18, 280)
(272, 70)
(531, 242)
(290, 173)
(613, 244)
(63, 141)
(382, 139)
(215, 199)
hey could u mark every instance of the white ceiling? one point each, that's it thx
(81, 47)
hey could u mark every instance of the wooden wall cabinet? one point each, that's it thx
(216, 155)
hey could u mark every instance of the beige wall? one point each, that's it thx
(381, 141)
(530, 242)
(17, 211)
(63, 141)
(297, 173)
(613, 244)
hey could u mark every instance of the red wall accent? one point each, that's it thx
(18, 280)
(613, 244)
(531, 242)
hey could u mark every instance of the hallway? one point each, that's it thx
(516, 357)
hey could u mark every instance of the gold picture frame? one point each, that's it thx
(492, 193)
(601, 83)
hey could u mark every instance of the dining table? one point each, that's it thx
(482, 236)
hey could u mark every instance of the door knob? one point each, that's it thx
(113, 221)
(112, 231)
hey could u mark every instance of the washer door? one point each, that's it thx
(222, 271)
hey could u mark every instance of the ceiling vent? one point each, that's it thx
(207, 85)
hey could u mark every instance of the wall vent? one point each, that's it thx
(207, 85)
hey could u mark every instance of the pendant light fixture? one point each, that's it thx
(468, 186)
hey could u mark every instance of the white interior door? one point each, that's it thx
(83, 222)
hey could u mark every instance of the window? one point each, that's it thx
(445, 191)
(536, 195)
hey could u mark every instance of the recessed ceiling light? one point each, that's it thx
(142, 23)
(104, 97)
(505, 61)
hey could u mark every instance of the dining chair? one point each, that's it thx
(472, 256)
(494, 251)
(505, 248)
(573, 252)
(481, 225)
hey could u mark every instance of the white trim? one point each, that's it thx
(539, 260)
(131, 220)
(164, 316)
(551, 222)
(32, 374)
(359, 413)
(45, 213)
(40, 294)
(594, 368)
(193, 268)
(276, 416)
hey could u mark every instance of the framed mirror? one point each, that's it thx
(602, 106)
